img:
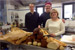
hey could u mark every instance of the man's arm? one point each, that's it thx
(40, 20)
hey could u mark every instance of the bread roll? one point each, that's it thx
(61, 48)
(35, 43)
(39, 44)
(29, 43)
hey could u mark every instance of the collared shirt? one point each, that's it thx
(43, 18)
(31, 20)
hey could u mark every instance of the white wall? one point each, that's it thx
(22, 15)
(58, 7)
(9, 12)
(23, 10)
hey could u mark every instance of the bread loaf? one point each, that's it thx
(53, 45)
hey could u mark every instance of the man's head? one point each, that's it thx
(48, 7)
(31, 6)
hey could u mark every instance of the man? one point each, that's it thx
(46, 14)
(31, 19)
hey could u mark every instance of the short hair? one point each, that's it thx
(54, 10)
(31, 4)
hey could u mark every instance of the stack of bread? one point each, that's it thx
(38, 39)
(15, 36)
(18, 36)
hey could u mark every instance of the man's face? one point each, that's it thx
(48, 7)
(31, 6)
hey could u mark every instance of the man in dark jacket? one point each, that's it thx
(31, 19)
(46, 14)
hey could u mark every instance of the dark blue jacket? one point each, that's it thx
(43, 18)
(31, 20)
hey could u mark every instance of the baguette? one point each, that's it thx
(22, 39)
(61, 43)
(9, 40)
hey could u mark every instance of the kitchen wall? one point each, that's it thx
(58, 7)
(9, 11)
(23, 10)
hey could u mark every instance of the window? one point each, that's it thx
(40, 9)
(3, 16)
(67, 10)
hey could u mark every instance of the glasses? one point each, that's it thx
(53, 12)
(47, 6)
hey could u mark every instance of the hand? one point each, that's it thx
(53, 35)
(38, 26)
(63, 20)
